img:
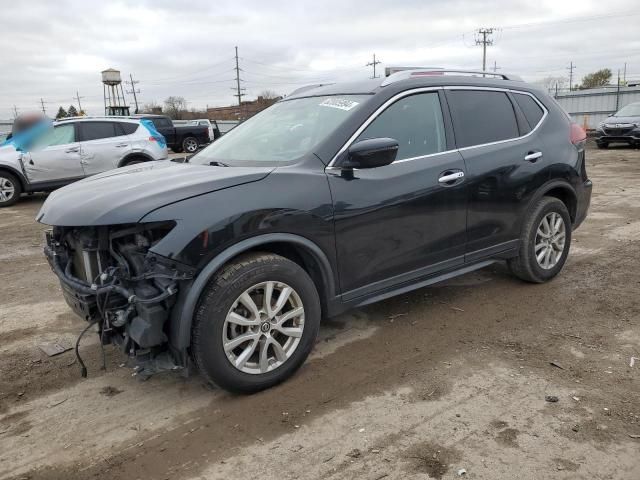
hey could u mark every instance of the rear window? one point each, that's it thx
(98, 130)
(530, 108)
(481, 117)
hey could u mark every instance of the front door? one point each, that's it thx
(103, 146)
(54, 156)
(401, 222)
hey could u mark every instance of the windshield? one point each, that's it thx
(632, 110)
(283, 132)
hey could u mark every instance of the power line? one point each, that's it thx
(571, 68)
(133, 91)
(78, 97)
(373, 64)
(239, 93)
(485, 42)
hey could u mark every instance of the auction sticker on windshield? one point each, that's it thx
(341, 103)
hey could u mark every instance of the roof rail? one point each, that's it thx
(102, 117)
(308, 87)
(418, 72)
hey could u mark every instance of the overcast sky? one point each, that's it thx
(50, 49)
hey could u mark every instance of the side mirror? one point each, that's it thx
(372, 153)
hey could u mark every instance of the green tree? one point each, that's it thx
(61, 113)
(72, 112)
(596, 79)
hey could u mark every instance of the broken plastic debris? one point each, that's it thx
(462, 472)
(54, 348)
(551, 398)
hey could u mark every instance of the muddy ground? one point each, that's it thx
(445, 378)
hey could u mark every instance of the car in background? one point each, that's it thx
(621, 127)
(180, 138)
(72, 149)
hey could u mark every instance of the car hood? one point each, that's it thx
(127, 194)
(610, 120)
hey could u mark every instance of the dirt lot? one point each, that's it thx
(420, 386)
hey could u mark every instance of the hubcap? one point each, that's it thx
(191, 146)
(550, 240)
(263, 327)
(7, 189)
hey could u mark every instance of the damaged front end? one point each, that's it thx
(110, 278)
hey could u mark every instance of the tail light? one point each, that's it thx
(577, 134)
(153, 139)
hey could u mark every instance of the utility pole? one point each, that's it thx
(571, 67)
(618, 92)
(43, 109)
(373, 64)
(485, 42)
(495, 66)
(624, 75)
(239, 90)
(133, 90)
(78, 97)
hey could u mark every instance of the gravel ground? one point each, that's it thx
(421, 386)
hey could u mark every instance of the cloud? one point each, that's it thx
(51, 49)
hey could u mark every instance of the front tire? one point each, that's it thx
(10, 189)
(545, 242)
(255, 324)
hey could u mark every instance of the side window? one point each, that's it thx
(58, 135)
(161, 122)
(415, 122)
(481, 116)
(530, 108)
(129, 128)
(97, 130)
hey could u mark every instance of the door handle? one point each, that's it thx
(121, 145)
(73, 150)
(533, 156)
(451, 177)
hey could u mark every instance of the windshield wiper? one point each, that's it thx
(218, 164)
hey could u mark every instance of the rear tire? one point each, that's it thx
(232, 307)
(545, 242)
(190, 145)
(10, 189)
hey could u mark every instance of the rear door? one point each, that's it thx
(54, 156)
(103, 145)
(505, 164)
(400, 222)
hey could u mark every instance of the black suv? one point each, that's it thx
(621, 127)
(338, 196)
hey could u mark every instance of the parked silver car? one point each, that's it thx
(73, 149)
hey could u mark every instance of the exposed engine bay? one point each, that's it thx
(110, 278)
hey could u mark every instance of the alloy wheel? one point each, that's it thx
(7, 189)
(550, 240)
(190, 145)
(263, 327)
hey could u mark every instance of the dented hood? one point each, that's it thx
(127, 194)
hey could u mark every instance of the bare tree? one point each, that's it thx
(151, 107)
(174, 107)
(269, 95)
(551, 83)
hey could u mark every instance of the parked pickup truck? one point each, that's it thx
(187, 138)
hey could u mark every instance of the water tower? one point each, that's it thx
(114, 101)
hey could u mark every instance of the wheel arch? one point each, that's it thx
(141, 155)
(16, 173)
(293, 247)
(564, 192)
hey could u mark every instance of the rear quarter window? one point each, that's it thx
(129, 128)
(481, 116)
(530, 108)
